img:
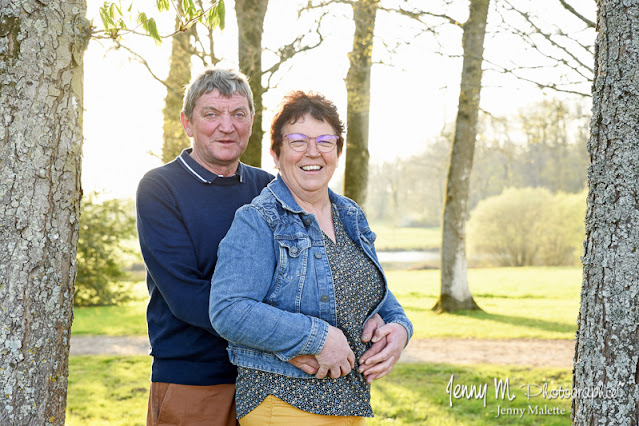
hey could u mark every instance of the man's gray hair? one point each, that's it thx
(226, 81)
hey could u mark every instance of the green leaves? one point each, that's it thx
(150, 27)
(115, 22)
(215, 16)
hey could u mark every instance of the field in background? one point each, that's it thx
(532, 302)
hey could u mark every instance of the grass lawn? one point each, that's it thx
(518, 303)
(113, 390)
(533, 302)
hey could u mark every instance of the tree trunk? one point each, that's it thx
(175, 140)
(455, 294)
(607, 346)
(250, 22)
(358, 86)
(41, 135)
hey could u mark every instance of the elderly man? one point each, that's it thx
(184, 209)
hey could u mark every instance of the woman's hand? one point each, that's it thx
(388, 342)
(336, 358)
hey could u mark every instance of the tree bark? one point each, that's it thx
(250, 22)
(455, 294)
(358, 86)
(175, 140)
(41, 53)
(607, 347)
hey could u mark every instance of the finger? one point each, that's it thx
(382, 356)
(378, 371)
(369, 327)
(373, 350)
(345, 369)
(335, 372)
(308, 369)
(321, 372)
(381, 332)
(351, 360)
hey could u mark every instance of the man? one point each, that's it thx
(184, 210)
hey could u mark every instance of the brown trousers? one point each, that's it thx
(171, 404)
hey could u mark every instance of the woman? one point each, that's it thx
(297, 274)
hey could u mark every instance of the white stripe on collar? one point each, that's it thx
(193, 171)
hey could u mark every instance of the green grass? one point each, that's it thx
(114, 391)
(392, 238)
(532, 302)
(108, 390)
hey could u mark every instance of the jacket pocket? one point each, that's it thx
(293, 256)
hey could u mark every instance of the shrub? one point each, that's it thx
(528, 226)
(100, 265)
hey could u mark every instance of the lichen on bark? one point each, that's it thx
(40, 119)
(607, 343)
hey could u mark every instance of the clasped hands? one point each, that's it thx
(337, 359)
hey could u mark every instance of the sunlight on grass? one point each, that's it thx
(125, 320)
(108, 390)
(534, 302)
(114, 390)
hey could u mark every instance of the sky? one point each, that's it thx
(414, 91)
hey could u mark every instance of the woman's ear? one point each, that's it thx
(276, 159)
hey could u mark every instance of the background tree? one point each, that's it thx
(454, 293)
(41, 112)
(250, 22)
(104, 226)
(607, 340)
(358, 88)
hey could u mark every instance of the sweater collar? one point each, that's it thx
(204, 175)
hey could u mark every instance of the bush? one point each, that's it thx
(528, 226)
(100, 265)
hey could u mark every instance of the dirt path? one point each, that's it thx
(525, 352)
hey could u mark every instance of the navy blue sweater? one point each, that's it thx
(183, 212)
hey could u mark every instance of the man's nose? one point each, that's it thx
(226, 123)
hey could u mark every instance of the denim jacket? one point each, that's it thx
(272, 294)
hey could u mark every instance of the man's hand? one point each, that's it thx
(388, 342)
(306, 363)
(336, 358)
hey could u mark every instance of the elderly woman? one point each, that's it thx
(297, 274)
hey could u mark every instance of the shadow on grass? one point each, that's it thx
(519, 321)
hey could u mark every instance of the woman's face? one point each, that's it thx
(306, 173)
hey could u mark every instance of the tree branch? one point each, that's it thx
(143, 61)
(572, 10)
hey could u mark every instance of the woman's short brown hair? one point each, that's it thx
(296, 105)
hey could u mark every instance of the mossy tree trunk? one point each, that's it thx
(607, 347)
(358, 86)
(175, 140)
(250, 22)
(455, 294)
(40, 139)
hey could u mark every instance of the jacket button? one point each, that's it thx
(307, 221)
(293, 250)
(325, 298)
(318, 255)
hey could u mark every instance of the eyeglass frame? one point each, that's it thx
(308, 141)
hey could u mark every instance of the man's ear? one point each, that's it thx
(186, 123)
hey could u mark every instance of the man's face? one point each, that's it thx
(220, 128)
